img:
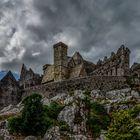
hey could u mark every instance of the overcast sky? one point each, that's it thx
(95, 28)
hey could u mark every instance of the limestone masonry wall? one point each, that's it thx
(104, 83)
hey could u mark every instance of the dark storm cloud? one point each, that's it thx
(93, 27)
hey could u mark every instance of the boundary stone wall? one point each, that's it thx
(104, 83)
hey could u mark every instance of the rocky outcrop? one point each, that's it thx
(9, 91)
(30, 138)
(112, 100)
(5, 135)
(74, 114)
(52, 134)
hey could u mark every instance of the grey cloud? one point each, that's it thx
(93, 27)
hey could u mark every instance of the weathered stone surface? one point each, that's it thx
(118, 94)
(3, 124)
(45, 101)
(135, 94)
(103, 83)
(68, 114)
(10, 110)
(102, 137)
(28, 78)
(75, 108)
(52, 134)
(48, 74)
(75, 115)
(66, 67)
(69, 100)
(79, 137)
(116, 65)
(4, 135)
(5, 109)
(30, 138)
(59, 97)
(9, 91)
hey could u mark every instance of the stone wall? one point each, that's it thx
(28, 78)
(116, 65)
(104, 83)
(48, 74)
(9, 96)
(9, 91)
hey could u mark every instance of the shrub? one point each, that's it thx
(31, 122)
(15, 125)
(97, 118)
(87, 100)
(122, 127)
(63, 126)
(130, 82)
(53, 110)
(134, 112)
(1, 137)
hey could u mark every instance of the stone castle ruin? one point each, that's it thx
(70, 73)
(28, 78)
(66, 67)
(116, 65)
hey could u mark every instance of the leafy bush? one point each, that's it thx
(15, 125)
(97, 118)
(87, 100)
(129, 81)
(32, 115)
(32, 121)
(53, 110)
(8, 116)
(122, 127)
(63, 126)
(134, 112)
(1, 137)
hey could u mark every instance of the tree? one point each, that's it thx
(32, 115)
(123, 127)
(35, 118)
(31, 122)
(98, 118)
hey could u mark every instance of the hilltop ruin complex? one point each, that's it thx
(70, 73)
(66, 67)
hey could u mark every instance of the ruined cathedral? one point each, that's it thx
(66, 67)
(69, 67)
(69, 73)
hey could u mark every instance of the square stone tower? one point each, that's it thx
(60, 61)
